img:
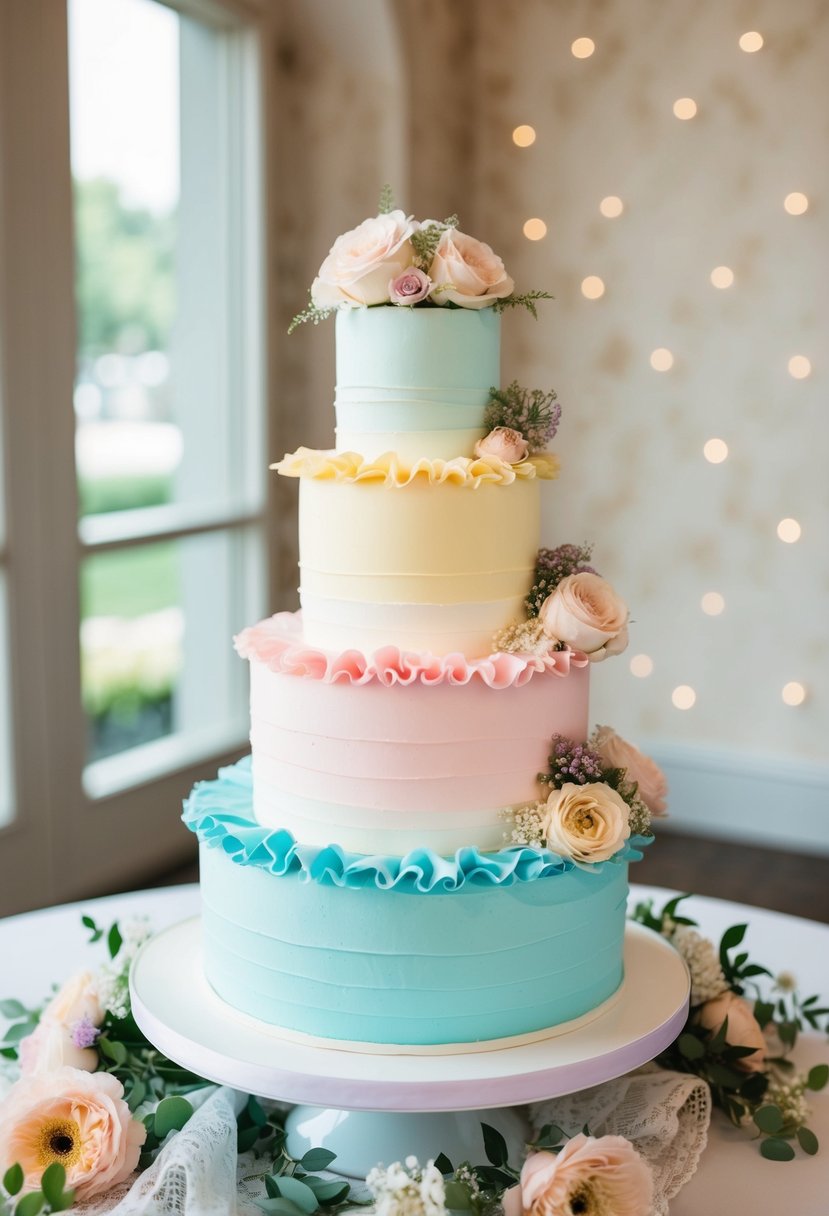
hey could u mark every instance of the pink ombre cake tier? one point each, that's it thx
(401, 751)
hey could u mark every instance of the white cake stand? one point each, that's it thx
(181, 1014)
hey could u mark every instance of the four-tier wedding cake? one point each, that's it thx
(426, 850)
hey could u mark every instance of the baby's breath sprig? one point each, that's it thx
(312, 313)
(525, 300)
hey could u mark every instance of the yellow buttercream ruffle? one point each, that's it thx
(390, 470)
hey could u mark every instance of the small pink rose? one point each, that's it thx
(743, 1028)
(616, 752)
(78, 1119)
(585, 613)
(410, 287)
(590, 1174)
(507, 444)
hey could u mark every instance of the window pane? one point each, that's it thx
(156, 651)
(157, 410)
(6, 774)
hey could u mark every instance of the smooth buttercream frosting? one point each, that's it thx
(391, 469)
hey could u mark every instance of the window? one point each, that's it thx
(135, 541)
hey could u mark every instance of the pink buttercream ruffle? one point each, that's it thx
(278, 643)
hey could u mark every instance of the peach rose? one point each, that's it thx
(616, 752)
(467, 272)
(507, 444)
(604, 1175)
(66, 1030)
(586, 822)
(361, 262)
(76, 1118)
(743, 1028)
(585, 613)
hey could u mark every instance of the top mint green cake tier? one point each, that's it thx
(414, 380)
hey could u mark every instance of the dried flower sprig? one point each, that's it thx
(525, 300)
(532, 412)
(312, 313)
(553, 565)
(426, 239)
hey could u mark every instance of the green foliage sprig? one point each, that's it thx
(534, 413)
(51, 1195)
(773, 1100)
(526, 299)
(426, 240)
(385, 203)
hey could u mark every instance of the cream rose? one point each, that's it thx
(467, 272)
(76, 1118)
(507, 444)
(65, 1029)
(590, 1174)
(361, 262)
(616, 752)
(743, 1028)
(585, 613)
(586, 822)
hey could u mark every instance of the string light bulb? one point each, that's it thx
(793, 693)
(592, 287)
(661, 359)
(535, 229)
(789, 531)
(799, 367)
(751, 41)
(523, 136)
(611, 207)
(715, 451)
(641, 665)
(685, 108)
(722, 276)
(583, 48)
(796, 203)
(683, 696)
(712, 603)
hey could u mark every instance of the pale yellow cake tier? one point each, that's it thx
(425, 566)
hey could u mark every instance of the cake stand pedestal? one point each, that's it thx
(181, 1014)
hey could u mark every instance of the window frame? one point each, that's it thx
(66, 841)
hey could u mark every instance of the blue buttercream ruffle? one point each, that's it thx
(220, 813)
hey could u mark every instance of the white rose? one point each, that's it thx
(586, 822)
(361, 262)
(585, 613)
(467, 272)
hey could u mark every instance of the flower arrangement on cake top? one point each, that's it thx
(394, 259)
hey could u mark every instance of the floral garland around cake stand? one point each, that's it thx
(367, 1106)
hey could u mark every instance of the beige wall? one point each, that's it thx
(425, 94)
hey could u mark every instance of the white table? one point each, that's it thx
(39, 948)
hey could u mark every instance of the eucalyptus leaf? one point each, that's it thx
(727, 1077)
(818, 1076)
(114, 940)
(279, 1207)
(12, 1009)
(456, 1197)
(298, 1193)
(30, 1204)
(717, 1041)
(171, 1115)
(137, 1093)
(271, 1187)
(113, 1050)
(14, 1178)
(246, 1137)
(328, 1191)
(495, 1146)
(20, 1030)
(777, 1150)
(690, 1047)
(317, 1159)
(807, 1141)
(52, 1184)
(255, 1111)
(769, 1119)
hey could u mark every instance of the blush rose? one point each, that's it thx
(616, 752)
(54, 1042)
(410, 287)
(585, 613)
(361, 262)
(76, 1118)
(467, 272)
(586, 822)
(743, 1028)
(590, 1174)
(504, 442)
